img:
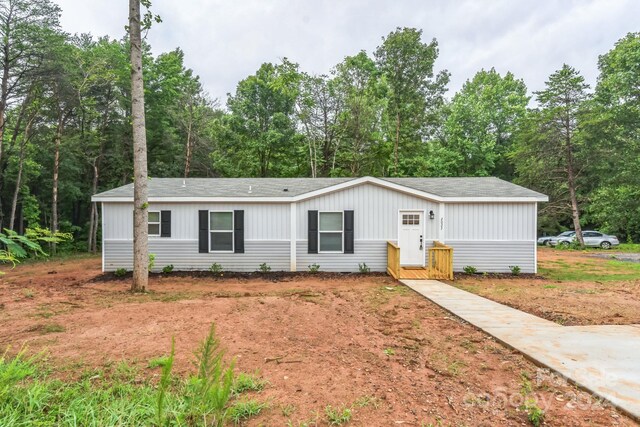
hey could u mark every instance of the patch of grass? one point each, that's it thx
(389, 351)
(248, 382)
(338, 416)
(455, 367)
(603, 271)
(48, 328)
(158, 362)
(550, 287)
(243, 409)
(116, 395)
(287, 409)
(365, 401)
(28, 293)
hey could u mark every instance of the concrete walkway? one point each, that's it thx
(604, 360)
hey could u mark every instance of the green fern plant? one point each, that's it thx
(209, 391)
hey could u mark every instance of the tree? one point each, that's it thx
(613, 138)
(320, 105)
(262, 118)
(364, 92)
(140, 190)
(415, 93)
(25, 30)
(550, 149)
(482, 118)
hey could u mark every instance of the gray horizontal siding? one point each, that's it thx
(371, 252)
(493, 256)
(183, 254)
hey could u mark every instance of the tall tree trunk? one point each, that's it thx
(92, 213)
(4, 96)
(16, 192)
(397, 144)
(92, 244)
(187, 161)
(140, 190)
(56, 170)
(571, 183)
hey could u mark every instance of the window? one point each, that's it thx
(221, 231)
(330, 228)
(154, 223)
(410, 219)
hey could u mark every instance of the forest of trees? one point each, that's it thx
(65, 125)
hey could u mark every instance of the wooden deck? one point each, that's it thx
(414, 273)
(439, 263)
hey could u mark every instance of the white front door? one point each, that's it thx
(411, 238)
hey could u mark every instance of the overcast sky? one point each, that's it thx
(225, 41)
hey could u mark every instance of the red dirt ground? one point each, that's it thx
(331, 332)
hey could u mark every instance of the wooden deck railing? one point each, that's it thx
(393, 260)
(440, 261)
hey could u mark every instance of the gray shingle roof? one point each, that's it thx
(291, 187)
(466, 187)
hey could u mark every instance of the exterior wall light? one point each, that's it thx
(431, 215)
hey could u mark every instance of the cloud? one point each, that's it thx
(226, 41)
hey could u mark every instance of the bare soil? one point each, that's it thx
(365, 342)
(590, 294)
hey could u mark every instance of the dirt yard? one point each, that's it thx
(573, 288)
(365, 342)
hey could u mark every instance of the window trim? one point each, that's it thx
(159, 222)
(232, 231)
(341, 251)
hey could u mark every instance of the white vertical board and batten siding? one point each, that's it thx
(375, 213)
(492, 236)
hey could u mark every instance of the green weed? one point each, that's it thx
(243, 409)
(338, 416)
(248, 382)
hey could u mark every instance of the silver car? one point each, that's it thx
(546, 240)
(591, 238)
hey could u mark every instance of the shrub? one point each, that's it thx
(314, 268)
(469, 269)
(515, 270)
(215, 268)
(167, 269)
(120, 272)
(363, 268)
(264, 268)
(152, 261)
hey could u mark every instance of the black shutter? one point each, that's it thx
(203, 231)
(238, 232)
(165, 223)
(348, 232)
(313, 232)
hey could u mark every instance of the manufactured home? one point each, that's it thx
(410, 227)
